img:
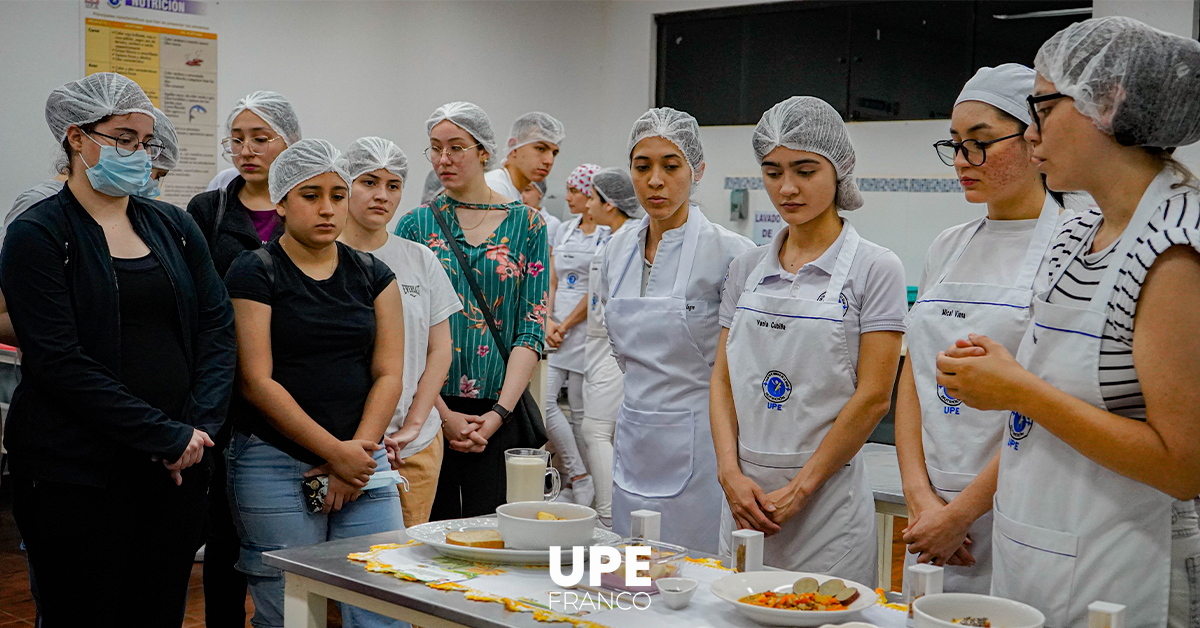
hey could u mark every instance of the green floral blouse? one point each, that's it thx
(511, 268)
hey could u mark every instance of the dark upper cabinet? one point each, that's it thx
(1011, 31)
(909, 59)
(870, 59)
(704, 57)
(796, 53)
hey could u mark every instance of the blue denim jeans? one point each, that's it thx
(1184, 607)
(268, 509)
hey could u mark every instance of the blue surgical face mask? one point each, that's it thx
(116, 175)
(152, 189)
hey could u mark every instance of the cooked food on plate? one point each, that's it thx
(972, 621)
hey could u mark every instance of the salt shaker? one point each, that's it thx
(645, 524)
(747, 550)
(926, 580)
(1106, 615)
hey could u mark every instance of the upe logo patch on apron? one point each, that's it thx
(951, 402)
(777, 389)
(572, 278)
(1019, 427)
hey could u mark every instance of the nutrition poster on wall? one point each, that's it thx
(170, 49)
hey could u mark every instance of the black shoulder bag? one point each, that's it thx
(526, 417)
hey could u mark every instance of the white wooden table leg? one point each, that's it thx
(301, 607)
(885, 524)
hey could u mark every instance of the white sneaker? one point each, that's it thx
(584, 491)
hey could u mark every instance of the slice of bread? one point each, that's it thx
(476, 538)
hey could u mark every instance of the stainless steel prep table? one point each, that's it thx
(883, 470)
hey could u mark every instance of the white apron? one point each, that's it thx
(603, 381)
(791, 372)
(958, 440)
(571, 263)
(1069, 532)
(664, 458)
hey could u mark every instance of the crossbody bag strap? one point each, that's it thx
(475, 290)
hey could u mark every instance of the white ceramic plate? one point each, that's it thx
(737, 586)
(434, 535)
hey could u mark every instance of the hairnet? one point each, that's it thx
(164, 132)
(811, 125)
(472, 119)
(433, 187)
(1004, 87)
(302, 161)
(1136, 83)
(274, 109)
(93, 98)
(581, 178)
(535, 127)
(367, 154)
(541, 187)
(616, 188)
(678, 127)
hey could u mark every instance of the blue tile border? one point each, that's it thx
(868, 184)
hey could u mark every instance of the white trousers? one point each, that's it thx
(1184, 607)
(598, 433)
(566, 433)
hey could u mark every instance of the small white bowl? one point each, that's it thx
(522, 530)
(676, 592)
(938, 611)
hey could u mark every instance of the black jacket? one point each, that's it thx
(236, 232)
(71, 419)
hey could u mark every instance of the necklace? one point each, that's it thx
(486, 209)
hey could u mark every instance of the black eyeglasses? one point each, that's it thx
(1037, 114)
(974, 151)
(127, 144)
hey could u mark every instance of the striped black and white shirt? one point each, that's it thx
(1175, 222)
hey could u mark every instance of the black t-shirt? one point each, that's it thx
(322, 338)
(153, 363)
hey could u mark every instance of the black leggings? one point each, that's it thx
(115, 556)
(472, 485)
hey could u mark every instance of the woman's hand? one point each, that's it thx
(338, 493)
(459, 430)
(553, 333)
(353, 461)
(982, 373)
(396, 442)
(193, 453)
(937, 533)
(788, 501)
(748, 503)
(484, 426)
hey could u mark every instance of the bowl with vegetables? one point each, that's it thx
(791, 598)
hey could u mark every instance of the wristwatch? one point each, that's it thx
(502, 411)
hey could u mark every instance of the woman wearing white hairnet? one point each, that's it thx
(504, 243)
(578, 240)
(239, 216)
(982, 271)
(122, 390)
(808, 352)
(612, 203)
(378, 170)
(1102, 454)
(320, 364)
(661, 288)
